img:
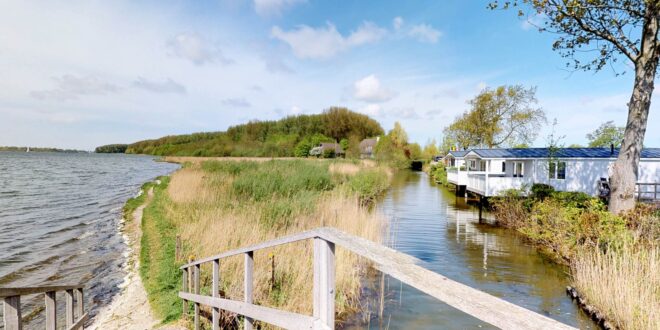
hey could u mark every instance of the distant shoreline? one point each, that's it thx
(40, 149)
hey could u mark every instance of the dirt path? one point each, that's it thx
(130, 309)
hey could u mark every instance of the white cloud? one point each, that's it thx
(369, 89)
(326, 42)
(70, 87)
(193, 47)
(167, 86)
(373, 110)
(273, 7)
(236, 102)
(397, 22)
(425, 33)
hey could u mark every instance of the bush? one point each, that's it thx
(329, 153)
(369, 184)
(574, 198)
(439, 173)
(541, 191)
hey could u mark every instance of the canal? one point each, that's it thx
(429, 222)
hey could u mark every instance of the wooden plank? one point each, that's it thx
(275, 242)
(69, 308)
(196, 288)
(215, 289)
(80, 322)
(324, 282)
(411, 271)
(12, 313)
(247, 284)
(22, 291)
(80, 303)
(51, 310)
(184, 288)
(272, 316)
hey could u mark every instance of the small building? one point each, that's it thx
(367, 147)
(489, 172)
(327, 148)
(455, 164)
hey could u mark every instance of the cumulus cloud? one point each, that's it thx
(193, 47)
(326, 42)
(236, 102)
(71, 87)
(373, 110)
(273, 7)
(166, 86)
(397, 23)
(369, 89)
(425, 33)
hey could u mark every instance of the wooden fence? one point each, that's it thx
(403, 267)
(647, 192)
(12, 306)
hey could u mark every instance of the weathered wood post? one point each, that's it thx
(69, 308)
(51, 310)
(80, 307)
(215, 289)
(324, 282)
(12, 313)
(196, 288)
(184, 288)
(248, 282)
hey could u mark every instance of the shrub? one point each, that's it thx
(329, 153)
(541, 191)
(574, 198)
(369, 184)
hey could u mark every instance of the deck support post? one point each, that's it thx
(196, 270)
(51, 310)
(80, 307)
(324, 282)
(12, 313)
(248, 283)
(215, 292)
(184, 288)
(69, 308)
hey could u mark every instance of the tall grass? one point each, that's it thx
(624, 285)
(218, 206)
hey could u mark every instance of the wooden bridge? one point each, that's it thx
(12, 306)
(403, 267)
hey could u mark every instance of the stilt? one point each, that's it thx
(481, 206)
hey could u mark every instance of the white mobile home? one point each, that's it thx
(491, 171)
(455, 164)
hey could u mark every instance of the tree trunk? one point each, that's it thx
(625, 170)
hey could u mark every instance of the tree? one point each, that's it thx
(430, 150)
(606, 134)
(611, 30)
(506, 115)
(398, 135)
(341, 123)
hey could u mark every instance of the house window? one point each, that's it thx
(473, 164)
(503, 167)
(557, 170)
(482, 166)
(518, 169)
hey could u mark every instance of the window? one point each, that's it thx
(518, 169)
(482, 166)
(503, 167)
(473, 164)
(557, 170)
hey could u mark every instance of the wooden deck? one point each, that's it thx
(403, 267)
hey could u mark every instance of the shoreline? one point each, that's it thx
(130, 308)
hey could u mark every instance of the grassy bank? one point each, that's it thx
(613, 258)
(215, 206)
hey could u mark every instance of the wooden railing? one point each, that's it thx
(403, 267)
(12, 306)
(643, 193)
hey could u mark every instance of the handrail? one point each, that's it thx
(401, 266)
(74, 293)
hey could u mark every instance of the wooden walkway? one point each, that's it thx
(12, 306)
(403, 267)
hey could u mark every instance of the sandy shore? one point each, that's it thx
(130, 309)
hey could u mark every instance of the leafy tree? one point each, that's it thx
(606, 134)
(448, 142)
(430, 150)
(340, 123)
(413, 151)
(386, 151)
(505, 115)
(520, 146)
(398, 135)
(575, 145)
(593, 33)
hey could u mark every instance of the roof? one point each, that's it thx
(458, 153)
(559, 153)
(368, 142)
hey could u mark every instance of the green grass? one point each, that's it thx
(368, 184)
(134, 202)
(158, 268)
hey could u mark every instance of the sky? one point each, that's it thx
(78, 74)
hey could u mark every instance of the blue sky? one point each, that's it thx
(77, 74)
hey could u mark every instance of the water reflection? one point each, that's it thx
(432, 224)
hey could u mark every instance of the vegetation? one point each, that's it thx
(216, 206)
(594, 33)
(394, 150)
(37, 149)
(506, 115)
(605, 135)
(291, 136)
(614, 258)
(112, 149)
(439, 173)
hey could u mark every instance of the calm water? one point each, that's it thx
(59, 217)
(432, 224)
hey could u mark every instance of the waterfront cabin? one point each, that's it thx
(455, 164)
(489, 172)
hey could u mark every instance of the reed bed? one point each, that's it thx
(624, 285)
(217, 206)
